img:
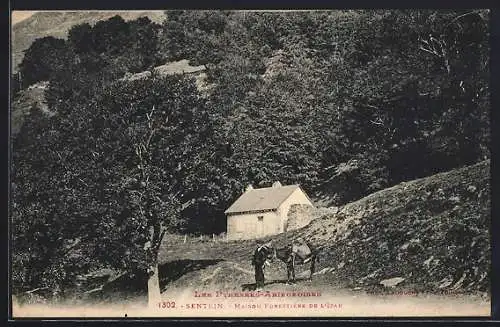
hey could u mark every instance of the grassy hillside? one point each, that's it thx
(57, 24)
(429, 236)
(432, 232)
(409, 233)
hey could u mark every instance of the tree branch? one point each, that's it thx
(429, 51)
(463, 15)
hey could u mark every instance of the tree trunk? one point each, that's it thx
(154, 295)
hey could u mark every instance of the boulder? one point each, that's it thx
(392, 282)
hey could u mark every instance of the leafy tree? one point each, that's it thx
(80, 38)
(194, 35)
(44, 57)
(120, 171)
(48, 207)
(145, 40)
(111, 36)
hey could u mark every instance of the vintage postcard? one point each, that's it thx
(230, 163)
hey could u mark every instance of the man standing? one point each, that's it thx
(258, 261)
(260, 256)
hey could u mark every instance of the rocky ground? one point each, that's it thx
(428, 236)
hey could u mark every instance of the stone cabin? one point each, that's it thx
(265, 211)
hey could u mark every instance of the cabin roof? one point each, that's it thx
(267, 198)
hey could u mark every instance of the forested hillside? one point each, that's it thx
(345, 103)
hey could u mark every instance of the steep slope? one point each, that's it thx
(427, 235)
(431, 232)
(20, 15)
(57, 24)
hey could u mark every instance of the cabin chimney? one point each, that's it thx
(249, 188)
(277, 184)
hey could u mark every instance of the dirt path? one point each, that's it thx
(202, 284)
(224, 290)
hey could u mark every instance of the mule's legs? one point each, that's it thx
(313, 266)
(289, 272)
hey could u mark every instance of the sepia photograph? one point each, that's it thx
(250, 163)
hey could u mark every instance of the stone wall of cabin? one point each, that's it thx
(297, 197)
(299, 216)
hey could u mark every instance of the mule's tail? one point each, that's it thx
(317, 257)
(317, 251)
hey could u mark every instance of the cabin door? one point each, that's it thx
(260, 225)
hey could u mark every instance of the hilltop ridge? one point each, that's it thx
(58, 23)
